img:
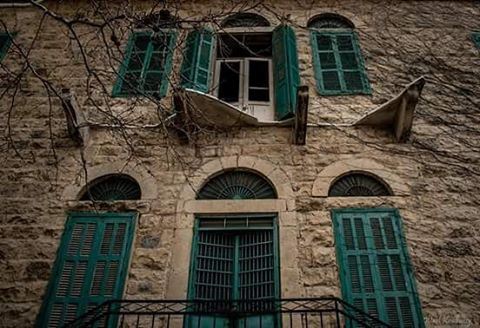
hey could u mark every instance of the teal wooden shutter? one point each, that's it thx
(338, 63)
(197, 63)
(285, 71)
(475, 38)
(5, 41)
(147, 64)
(356, 267)
(90, 267)
(375, 270)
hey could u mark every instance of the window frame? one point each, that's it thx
(244, 104)
(197, 229)
(366, 89)
(243, 92)
(168, 63)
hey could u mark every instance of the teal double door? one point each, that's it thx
(234, 259)
(90, 267)
(375, 270)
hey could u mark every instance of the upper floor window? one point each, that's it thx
(147, 64)
(255, 70)
(243, 73)
(476, 39)
(5, 41)
(337, 59)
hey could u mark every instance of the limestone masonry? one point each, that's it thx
(433, 173)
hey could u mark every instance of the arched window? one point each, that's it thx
(237, 184)
(245, 20)
(358, 184)
(112, 187)
(329, 20)
(337, 59)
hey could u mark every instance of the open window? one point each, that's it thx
(243, 73)
(248, 72)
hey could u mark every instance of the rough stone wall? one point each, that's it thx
(400, 40)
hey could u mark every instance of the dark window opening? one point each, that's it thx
(229, 81)
(244, 45)
(258, 80)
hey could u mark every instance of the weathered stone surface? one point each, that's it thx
(438, 165)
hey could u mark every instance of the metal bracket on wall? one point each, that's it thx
(301, 116)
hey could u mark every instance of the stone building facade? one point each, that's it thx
(429, 169)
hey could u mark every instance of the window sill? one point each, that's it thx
(208, 110)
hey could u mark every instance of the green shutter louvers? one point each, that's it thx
(285, 71)
(338, 62)
(197, 63)
(147, 64)
(90, 267)
(374, 266)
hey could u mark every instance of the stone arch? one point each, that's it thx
(145, 180)
(273, 173)
(334, 171)
(330, 20)
(245, 19)
(359, 183)
(237, 184)
(112, 187)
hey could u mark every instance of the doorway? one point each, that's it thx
(235, 262)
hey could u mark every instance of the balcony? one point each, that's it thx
(291, 312)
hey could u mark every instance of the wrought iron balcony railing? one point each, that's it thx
(291, 312)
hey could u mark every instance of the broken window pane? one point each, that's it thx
(229, 82)
(258, 81)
